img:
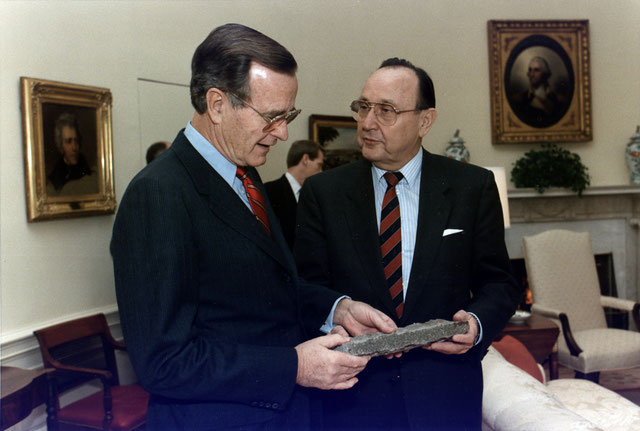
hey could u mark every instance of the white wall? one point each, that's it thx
(50, 271)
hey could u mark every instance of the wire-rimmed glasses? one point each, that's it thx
(386, 113)
(272, 122)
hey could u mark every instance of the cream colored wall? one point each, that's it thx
(50, 271)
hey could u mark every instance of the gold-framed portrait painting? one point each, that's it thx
(539, 81)
(68, 154)
(337, 136)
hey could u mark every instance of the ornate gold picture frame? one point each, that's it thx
(337, 136)
(68, 156)
(539, 81)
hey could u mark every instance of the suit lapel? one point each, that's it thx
(361, 217)
(226, 204)
(433, 213)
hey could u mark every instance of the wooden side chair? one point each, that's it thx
(82, 350)
(564, 285)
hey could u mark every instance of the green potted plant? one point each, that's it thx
(550, 166)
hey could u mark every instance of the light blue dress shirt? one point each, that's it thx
(218, 162)
(408, 192)
(227, 171)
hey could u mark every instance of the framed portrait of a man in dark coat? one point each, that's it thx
(68, 150)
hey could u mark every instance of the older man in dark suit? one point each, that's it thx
(213, 311)
(305, 158)
(416, 235)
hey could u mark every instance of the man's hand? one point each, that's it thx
(320, 367)
(459, 343)
(359, 318)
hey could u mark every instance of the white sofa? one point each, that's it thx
(513, 400)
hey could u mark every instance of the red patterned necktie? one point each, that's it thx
(255, 198)
(390, 241)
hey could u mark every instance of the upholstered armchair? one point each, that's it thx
(564, 285)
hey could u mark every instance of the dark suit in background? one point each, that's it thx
(284, 205)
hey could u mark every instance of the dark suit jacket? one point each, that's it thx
(284, 205)
(337, 245)
(211, 306)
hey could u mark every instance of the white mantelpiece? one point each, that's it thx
(611, 215)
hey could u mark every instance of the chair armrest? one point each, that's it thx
(118, 345)
(617, 303)
(568, 336)
(623, 304)
(115, 343)
(574, 349)
(103, 375)
(546, 312)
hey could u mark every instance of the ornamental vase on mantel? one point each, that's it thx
(632, 155)
(456, 149)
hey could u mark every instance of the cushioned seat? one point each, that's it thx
(597, 346)
(128, 402)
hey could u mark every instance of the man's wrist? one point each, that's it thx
(342, 305)
(336, 316)
(479, 335)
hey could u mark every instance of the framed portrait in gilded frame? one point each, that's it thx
(68, 154)
(337, 136)
(539, 81)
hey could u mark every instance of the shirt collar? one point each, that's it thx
(210, 153)
(295, 185)
(410, 171)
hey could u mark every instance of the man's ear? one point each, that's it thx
(305, 159)
(215, 98)
(427, 118)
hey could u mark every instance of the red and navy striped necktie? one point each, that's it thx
(390, 241)
(255, 198)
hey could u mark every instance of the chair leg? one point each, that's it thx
(52, 403)
(594, 377)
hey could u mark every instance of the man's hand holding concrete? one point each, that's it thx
(322, 368)
(460, 343)
(359, 318)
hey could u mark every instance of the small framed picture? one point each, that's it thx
(539, 81)
(337, 136)
(68, 154)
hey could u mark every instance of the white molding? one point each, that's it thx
(20, 348)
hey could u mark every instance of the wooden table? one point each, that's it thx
(22, 391)
(539, 334)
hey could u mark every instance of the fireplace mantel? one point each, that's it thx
(555, 204)
(611, 214)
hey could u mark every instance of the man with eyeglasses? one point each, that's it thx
(213, 312)
(420, 237)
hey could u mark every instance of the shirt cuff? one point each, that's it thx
(479, 337)
(328, 324)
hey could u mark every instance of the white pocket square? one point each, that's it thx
(451, 231)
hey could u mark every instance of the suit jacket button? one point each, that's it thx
(268, 405)
(275, 405)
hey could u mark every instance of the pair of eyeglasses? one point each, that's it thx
(386, 113)
(272, 122)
